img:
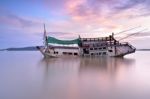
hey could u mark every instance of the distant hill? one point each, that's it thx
(33, 48)
(1, 49)
(143, 49)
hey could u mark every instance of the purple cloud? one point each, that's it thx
(10, 19)
(98, 7)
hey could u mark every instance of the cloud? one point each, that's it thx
(127, 4)
(10, 19)
(143, 34)
(88, 9)
(139, 15)
(82, 15)
(106, 14)
(96, 15)
(54, 4)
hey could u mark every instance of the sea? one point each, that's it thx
(27, 75)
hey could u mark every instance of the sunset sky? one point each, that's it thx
(21, 21)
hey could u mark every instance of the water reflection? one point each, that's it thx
(99, 64)
(83, 78)
(104, 63)
(107, 66)
(26, 77)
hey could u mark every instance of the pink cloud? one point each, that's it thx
(107, 15)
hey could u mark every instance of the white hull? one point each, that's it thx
(115, 51)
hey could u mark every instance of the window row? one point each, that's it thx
(98, 48)
(101, 53)
(67, 53)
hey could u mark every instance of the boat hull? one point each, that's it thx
(116, 51)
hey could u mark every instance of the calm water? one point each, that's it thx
(26, 75)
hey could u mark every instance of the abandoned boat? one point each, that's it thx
(101, 46)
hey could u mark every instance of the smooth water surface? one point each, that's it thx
(27, 75)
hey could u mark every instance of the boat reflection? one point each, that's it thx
(79, 66)
(82, 77)
(109, 64)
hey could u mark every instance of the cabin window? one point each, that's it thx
(85, 51)
(100, 48)
(95, 48)
(75, 53)
(104, 47)
(104, 53)
(91, 48)
(85, 40)
(99, 53)
(110, 50)
(64, 53)
(92, 53)
(55, 52)
(70, 53)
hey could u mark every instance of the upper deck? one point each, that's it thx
(97, 42)
(110, 38)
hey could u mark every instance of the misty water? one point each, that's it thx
(27, 75)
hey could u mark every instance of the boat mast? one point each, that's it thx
(45, 37)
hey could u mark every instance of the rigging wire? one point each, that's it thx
(127, 30)
(132, 34)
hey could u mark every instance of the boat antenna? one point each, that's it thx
(132, 34)
(45, 37)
